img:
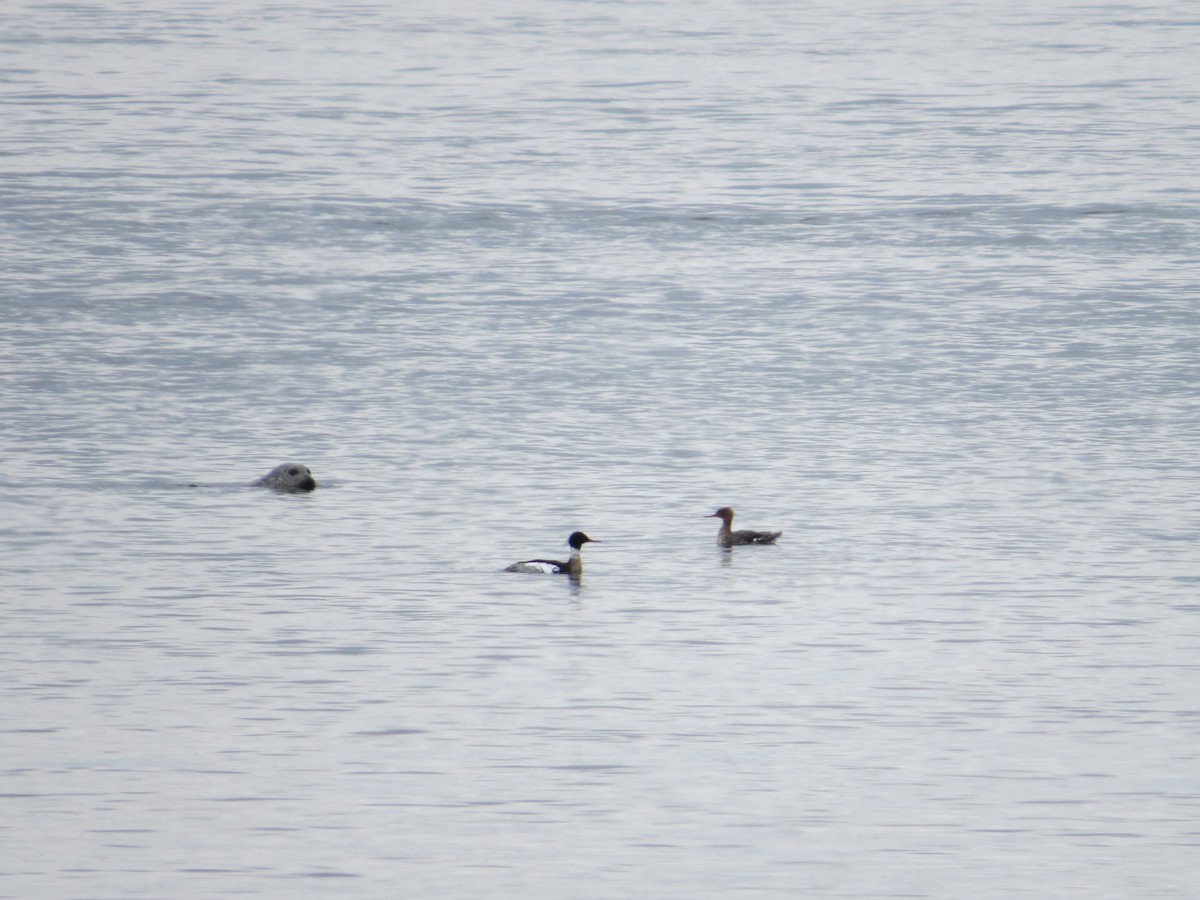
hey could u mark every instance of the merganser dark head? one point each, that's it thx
(578, 539)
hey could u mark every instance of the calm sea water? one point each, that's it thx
(916, 283)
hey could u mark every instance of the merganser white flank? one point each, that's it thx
(727, 537)
(572, 567)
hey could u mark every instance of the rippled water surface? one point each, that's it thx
(916, 284)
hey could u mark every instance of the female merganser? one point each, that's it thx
(572, 567)
(727, 537)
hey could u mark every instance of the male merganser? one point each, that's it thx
(727, 537)
(572, 567)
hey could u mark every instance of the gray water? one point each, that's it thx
(915, 283)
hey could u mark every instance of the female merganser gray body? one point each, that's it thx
(727, 537)
(572, 567)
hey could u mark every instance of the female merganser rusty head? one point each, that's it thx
(572, 567)
(727, 537)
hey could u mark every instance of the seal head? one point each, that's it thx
(289, 478)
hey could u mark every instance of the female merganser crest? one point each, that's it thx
(727, 537)
(572, 567)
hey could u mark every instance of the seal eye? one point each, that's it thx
(293, 471)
